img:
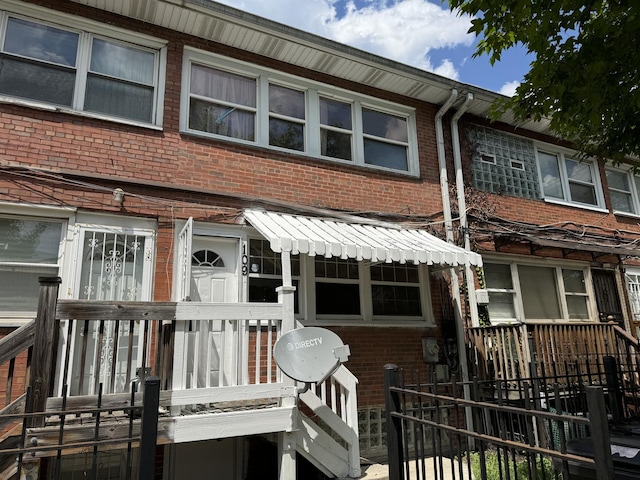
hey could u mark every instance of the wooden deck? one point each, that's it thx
(215, 367)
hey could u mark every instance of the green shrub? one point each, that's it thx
(518, 467)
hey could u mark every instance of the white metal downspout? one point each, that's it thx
(462, 347)
(442, 163)
(446, 208)
(462, 205)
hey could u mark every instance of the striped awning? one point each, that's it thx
(312, 236)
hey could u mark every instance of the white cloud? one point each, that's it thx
(402, 30)
(509, 88)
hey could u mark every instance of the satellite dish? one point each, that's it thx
(310, 354)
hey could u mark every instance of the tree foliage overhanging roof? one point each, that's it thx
(586, 72)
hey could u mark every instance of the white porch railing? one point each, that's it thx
(207, 353)
(334, 402)
(217, 346)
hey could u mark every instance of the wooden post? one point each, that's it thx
(42, 368)
(394, 424)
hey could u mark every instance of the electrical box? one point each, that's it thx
(482, 296)
(430, 350)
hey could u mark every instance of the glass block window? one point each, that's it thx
(503, 163)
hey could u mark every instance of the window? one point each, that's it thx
(632, 277)
(265, 273)
(113, 266)
(385, 139)
(501, 291)
(286, 117)
(337, 286)
(341, 290)
(569, 180)
(222, 103)
(395, 290)
(539, 292)
(29, 248)
(227, 99)
(624, 188)
(336, 136)
(81, 70)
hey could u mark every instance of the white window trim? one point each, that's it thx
(634, 271)
(88, 29)
(313, 91)
(562, 155)
(635, 195)
(513, 261)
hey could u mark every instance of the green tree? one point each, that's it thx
(585, 75)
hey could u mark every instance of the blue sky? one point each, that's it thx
(421, 33)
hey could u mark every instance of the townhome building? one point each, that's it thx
(195, 157)
(557, 233)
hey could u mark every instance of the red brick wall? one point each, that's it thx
(18, 378)
(93, 147)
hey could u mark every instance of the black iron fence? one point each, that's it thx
(517, 429)
(102, 436)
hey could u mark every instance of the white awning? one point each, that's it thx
(361, 241)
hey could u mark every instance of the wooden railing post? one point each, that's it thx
(42, 368)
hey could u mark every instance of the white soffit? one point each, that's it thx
(361, 241)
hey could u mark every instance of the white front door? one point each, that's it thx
(213, 279)
(214, 265)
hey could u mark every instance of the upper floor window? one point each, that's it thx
(569, 180)
(233, 100)
(624, 188)
(71, 67)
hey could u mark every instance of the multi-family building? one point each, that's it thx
(187, 152)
